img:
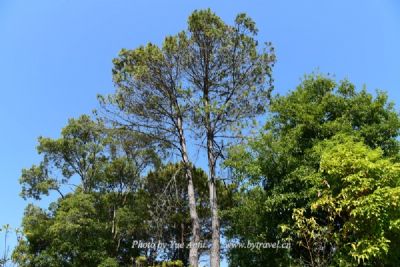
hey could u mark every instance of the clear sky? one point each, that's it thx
(55, 56)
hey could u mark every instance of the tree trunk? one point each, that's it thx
(215, 227)
(194, 252)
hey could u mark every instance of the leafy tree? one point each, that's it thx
(132, 197)
(151, 100)
(355, 218)
(84, 229)
(38, 249)
(278, 170)
(5, 232)
(75, 231)
(83, 223)
(77, 152)
(231, 81)
(212, 77)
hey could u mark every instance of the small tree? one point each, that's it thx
(5, 254)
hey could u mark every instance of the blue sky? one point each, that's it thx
(55, 56)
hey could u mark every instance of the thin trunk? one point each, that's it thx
(194, 252)
(215, 227)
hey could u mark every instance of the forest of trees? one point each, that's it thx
(317, 168)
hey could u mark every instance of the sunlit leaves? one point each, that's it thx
(330, 151)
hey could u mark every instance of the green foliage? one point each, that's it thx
(357, 209)
(149, 97)
(72, 234)
(287, 162)
(36, 182)
(211, 79)
(324, 173)
(97, 225)
(228, 71)
(142, 262)
(97, 222)
(212, 73)
(109, 262)
(76, 153)
(91, 229)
